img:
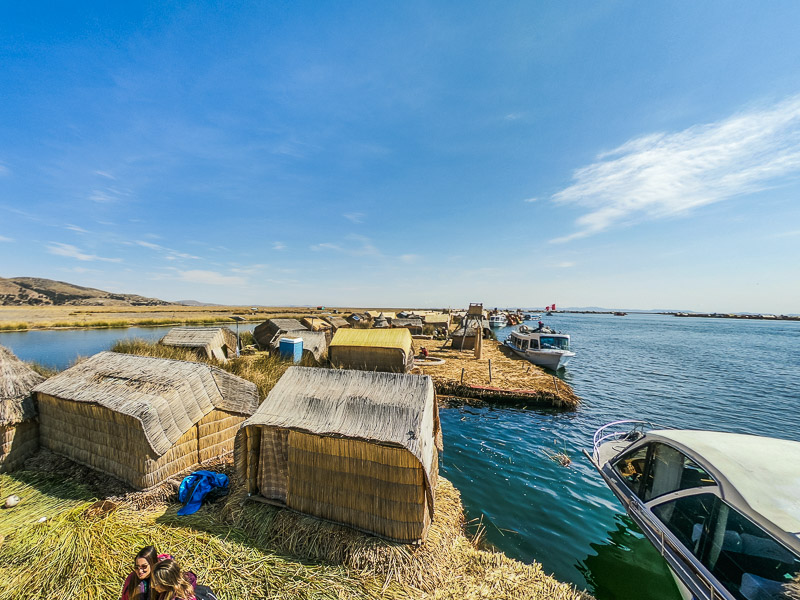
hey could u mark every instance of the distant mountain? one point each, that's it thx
(34, 291)
(193, 303)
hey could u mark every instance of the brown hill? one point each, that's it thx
(34, 291)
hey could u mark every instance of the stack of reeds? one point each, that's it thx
(388, 350)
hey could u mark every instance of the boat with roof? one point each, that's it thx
(542, 346)
(723, 509)
(497, 320)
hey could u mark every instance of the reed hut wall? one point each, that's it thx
(413, 325)
(388, 350)
(19, 429)
(267, 331)
(141, 419)
(356, 448)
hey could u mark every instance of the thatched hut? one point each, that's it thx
(269, 330)
(353, 447)
(372, 350)
(462, 341)
(315, 343)
(142, 419)
(316, 324)
(337, 322)
(380, 322)
(19, 430)
(437, 319)
(208, 342)
(374, 314)
(358, 319)
(413, 325)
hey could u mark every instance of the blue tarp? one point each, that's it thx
(196, 486)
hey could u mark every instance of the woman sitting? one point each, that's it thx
(170, 583)
(138, 585)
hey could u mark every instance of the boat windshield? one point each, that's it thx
(740, 555)
(554, 342)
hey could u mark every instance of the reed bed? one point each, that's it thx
(84, 554)
(509, 373)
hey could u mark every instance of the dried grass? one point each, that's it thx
(509, 373)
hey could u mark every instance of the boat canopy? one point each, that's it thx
(764, 471)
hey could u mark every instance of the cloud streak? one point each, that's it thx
(667, 174)
(210, 278)
(70, 251)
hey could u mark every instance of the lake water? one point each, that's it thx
(731, 375)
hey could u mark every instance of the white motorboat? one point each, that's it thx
(531, 317)
(542, 346)
(497, 320)
(722, 508)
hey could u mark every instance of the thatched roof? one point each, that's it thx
(434, 318)
(208, 339)
(374, 338)
(16, 382)
(265, 333)
(407, 323)
(166, 396)
(374, 314)
(315, 342)
(393, 409)
(337, 322)
(315, 323)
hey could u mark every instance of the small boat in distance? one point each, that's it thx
(619, 313)
(722, 508)
(531, 317)
(498, 320)
(543, 346)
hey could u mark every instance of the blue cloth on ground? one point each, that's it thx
(196, 486)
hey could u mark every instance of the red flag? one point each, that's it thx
(554, 308)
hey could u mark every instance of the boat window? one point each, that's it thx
(672, 470)
(534, 344)
(523, 344)
(555, 343)
(631, 467)
(745, 559)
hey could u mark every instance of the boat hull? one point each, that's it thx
(550, 359)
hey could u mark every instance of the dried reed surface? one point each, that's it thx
(446, 566)
(83, 551)
(262, 369)
(509, 373)
(16, 382)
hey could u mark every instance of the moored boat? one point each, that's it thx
(497, 320)
(543, 346)
(722, 508)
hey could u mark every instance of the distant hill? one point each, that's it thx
(34, 291)
(193, 303)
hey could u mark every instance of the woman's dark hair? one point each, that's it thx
(151, 556)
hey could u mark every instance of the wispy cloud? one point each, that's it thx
(4, 170)
(209, 278)
(565, 264)
(70, 251)
(105, 174)
(409, 258)
(247, 269)
(355, 217)
(354, 245)
(786, 234)
(75, 228)
(169, 253)
(5, 239)
(667, 174)
(108, 195)
(278, 246)
(530, 200)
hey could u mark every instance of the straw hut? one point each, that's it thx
(316, 324)
(353, 447)
(380, 322)
(208, 342)
(467, 342)
(267, 331)
(315, 343)
(142, 419)
(413, 325)
(19, 430)
(437, 320)
(358, 319)
(372, 350)
(338, 323)
(374, 314)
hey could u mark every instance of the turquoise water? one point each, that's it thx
(731, 375)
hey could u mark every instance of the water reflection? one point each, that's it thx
(627, 566)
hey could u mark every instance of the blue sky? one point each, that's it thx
(617, 154)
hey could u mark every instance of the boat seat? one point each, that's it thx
(753, 545)
(732, 541)
(759, 588)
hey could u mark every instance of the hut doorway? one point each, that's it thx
(273, 464)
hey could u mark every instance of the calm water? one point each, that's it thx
(731, 375)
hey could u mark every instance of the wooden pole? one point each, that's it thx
(490, 370)
(462, 375)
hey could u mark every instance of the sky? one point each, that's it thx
(419, 154)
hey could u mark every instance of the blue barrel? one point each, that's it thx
(291, 349)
